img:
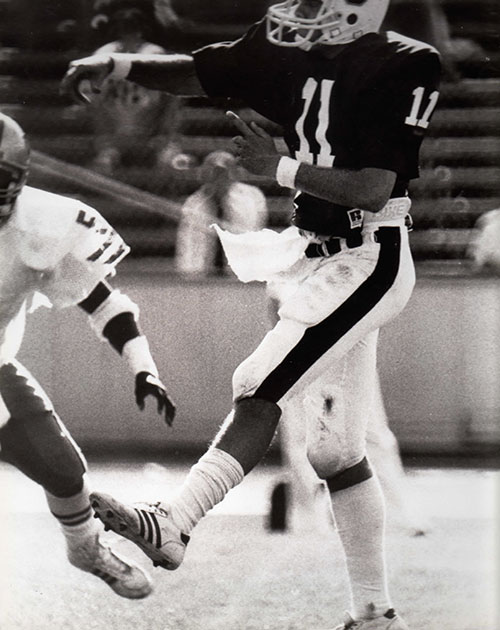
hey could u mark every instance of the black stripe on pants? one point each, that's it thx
(318, 339)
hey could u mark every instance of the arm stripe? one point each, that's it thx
(100, 293)
(120, 329)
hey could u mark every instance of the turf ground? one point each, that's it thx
(237, 575)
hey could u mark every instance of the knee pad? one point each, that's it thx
(350, 476)
(34, 440)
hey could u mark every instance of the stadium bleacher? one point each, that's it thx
(460, 176)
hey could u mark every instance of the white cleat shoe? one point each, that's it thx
(390, 621)
(124, 577)
(147, 525)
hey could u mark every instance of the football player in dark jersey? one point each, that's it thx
(354, 105)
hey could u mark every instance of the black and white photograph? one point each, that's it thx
(249, 315)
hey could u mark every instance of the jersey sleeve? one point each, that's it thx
(394, 114)
(250, 69)
(94, 252)
(216, 65)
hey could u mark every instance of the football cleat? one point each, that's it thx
(390, 621)
(147, 525)
(122, 576)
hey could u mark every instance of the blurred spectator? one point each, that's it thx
(221, 199)
(167, 15)
(484, 248)
(132, 125)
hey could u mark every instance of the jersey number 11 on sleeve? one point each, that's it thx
(418, 95)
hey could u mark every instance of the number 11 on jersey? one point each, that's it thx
(418, 95)
(304, 154)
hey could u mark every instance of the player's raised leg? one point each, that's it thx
(162, 530)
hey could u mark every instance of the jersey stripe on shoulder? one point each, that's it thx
(404, 43)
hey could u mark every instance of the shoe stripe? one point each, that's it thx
(157, 530)
(154, 531)
(147, 522)
(149, 527)
(142, 528)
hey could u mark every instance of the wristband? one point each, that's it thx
(286, 172)
(138, 356)
(122, 64)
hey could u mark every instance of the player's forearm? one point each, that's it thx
(114, 317)
(367, 188)
(173, 73)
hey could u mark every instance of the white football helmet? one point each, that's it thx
(14, 163)
(307, 23)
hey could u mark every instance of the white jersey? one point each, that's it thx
(53, 251)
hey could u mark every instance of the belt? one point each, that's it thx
(334, 245)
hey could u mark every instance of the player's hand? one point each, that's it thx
(94, 69)
(148, 385)
(255, 147)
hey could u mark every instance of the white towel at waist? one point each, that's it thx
(260, 255)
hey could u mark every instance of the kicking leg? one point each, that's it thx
(162, 531)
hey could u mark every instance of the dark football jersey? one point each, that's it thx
(367, 104)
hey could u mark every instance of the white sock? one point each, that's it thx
(207, 484)
(75, 515)
(360, 517)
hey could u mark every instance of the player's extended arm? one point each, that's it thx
(367, 188)
(114, 317)
(173, 73)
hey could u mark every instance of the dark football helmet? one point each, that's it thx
(14, 163)
(306, 23)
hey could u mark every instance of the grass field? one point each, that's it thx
(239, 576)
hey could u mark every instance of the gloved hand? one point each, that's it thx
(147, 384)
(94, 69)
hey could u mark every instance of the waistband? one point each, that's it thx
(383, 233)
(393, 212)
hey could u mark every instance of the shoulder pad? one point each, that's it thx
(70, 240)
(50, 226)
(43, 224)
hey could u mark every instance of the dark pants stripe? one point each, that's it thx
(318, 339)
(34, 439)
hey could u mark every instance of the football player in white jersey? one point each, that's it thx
(56, 251)
(354, 105)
